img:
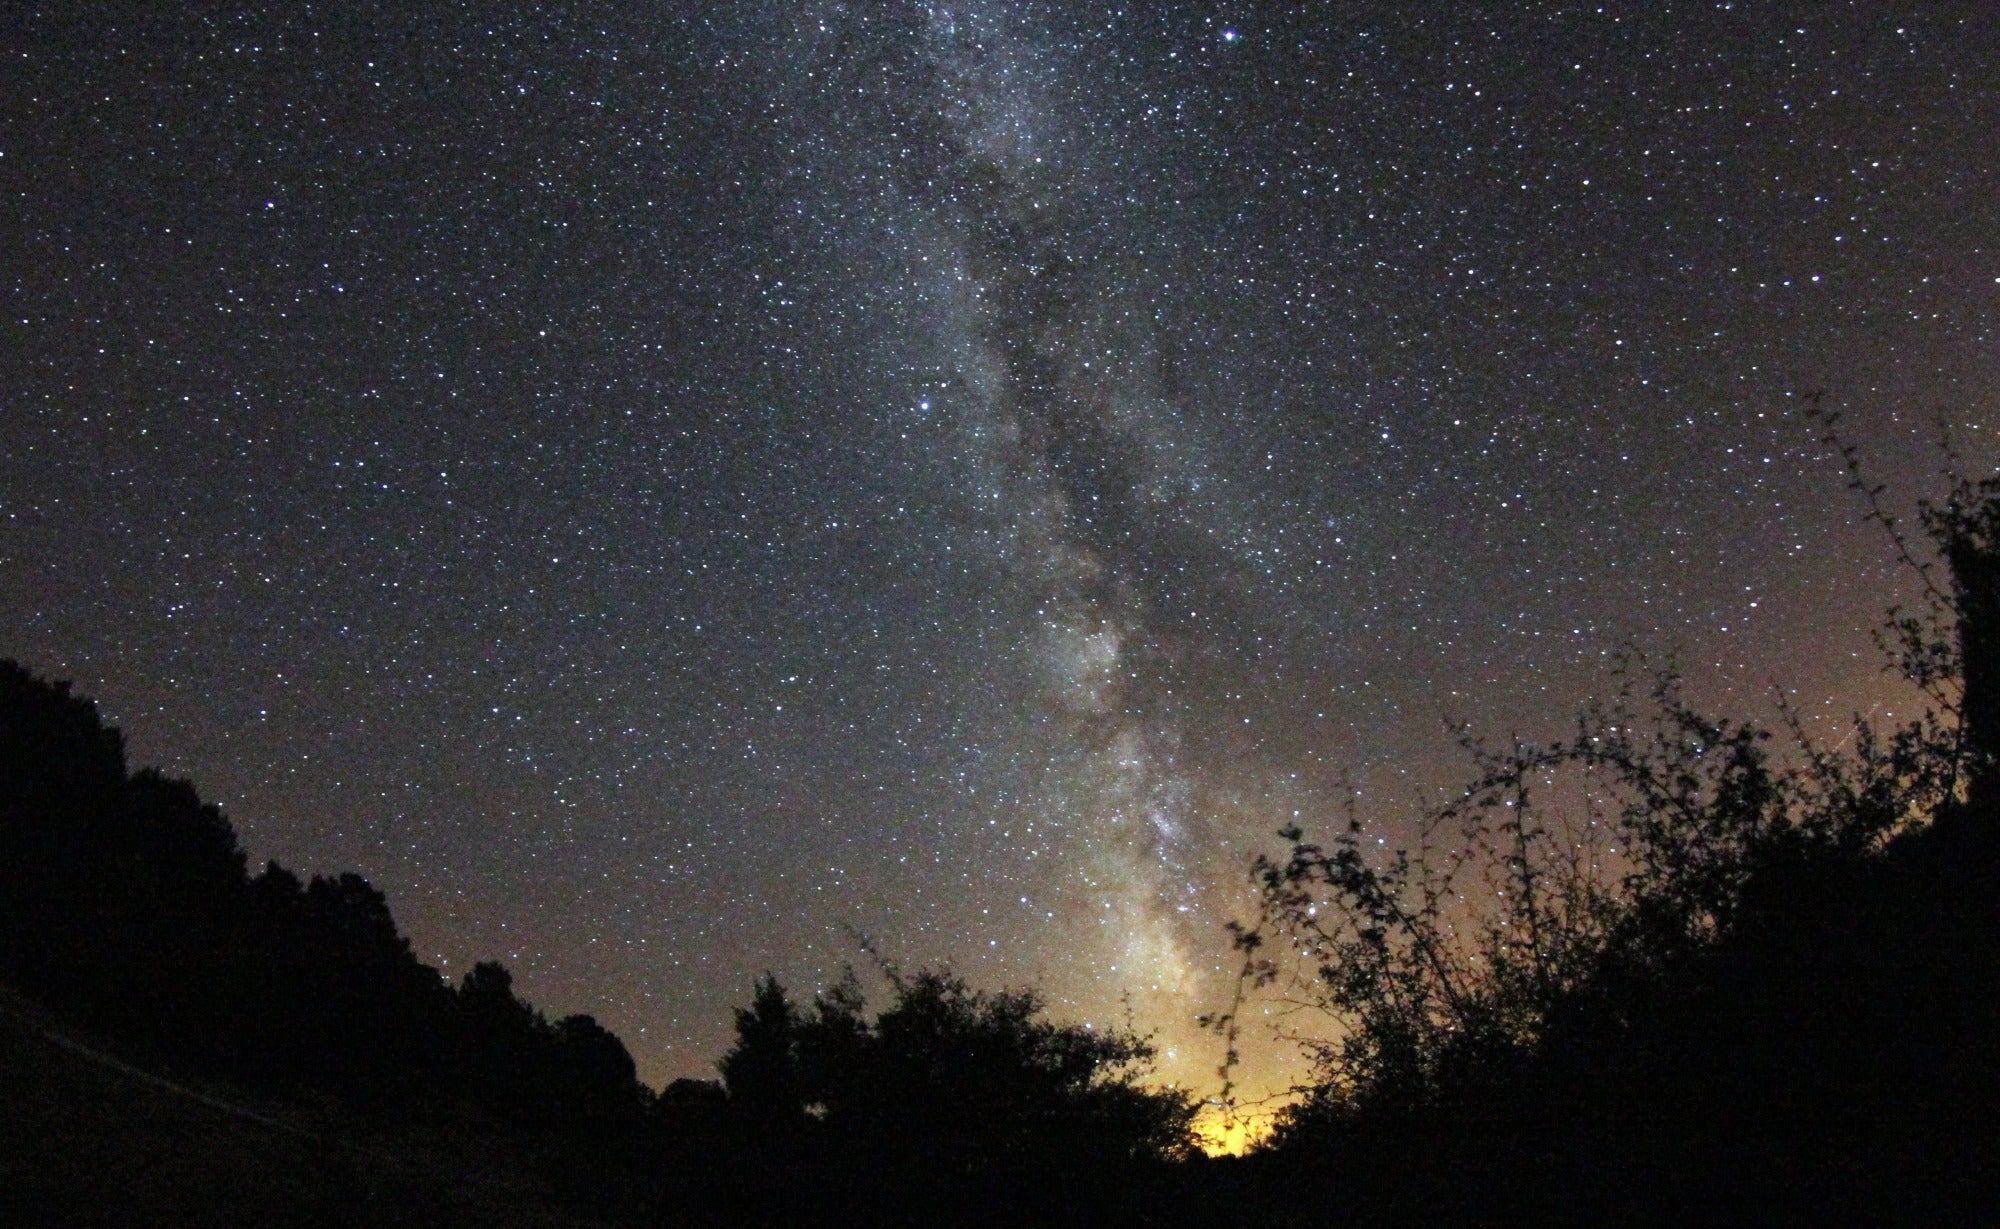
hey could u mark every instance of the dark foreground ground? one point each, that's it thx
(86, 1139)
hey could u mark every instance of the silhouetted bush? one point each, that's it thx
(1705, 984)
(1660, 972)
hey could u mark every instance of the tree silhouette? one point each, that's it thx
(761, 1071)
(948, 1094)
(124, 898)
(949, 1068)
(1668, 969)
(1967, 524)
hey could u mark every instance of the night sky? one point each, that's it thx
(663, 489)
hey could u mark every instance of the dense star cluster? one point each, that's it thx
(668, 490)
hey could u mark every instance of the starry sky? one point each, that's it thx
(667, 489)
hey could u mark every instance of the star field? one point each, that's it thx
(664, 489)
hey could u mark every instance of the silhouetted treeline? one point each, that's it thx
(126, 904)
(1704, 983)
(950, 1106)
(125, 901)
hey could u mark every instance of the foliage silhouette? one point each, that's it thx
(761, 1073)
(125, 900)
(952, 1067)
(1659, 973)
(1669, 969)
(946, 1092)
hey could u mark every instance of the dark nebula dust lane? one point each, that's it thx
(662, 489)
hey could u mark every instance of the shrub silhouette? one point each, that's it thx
(1658, 973)
(1662, 971)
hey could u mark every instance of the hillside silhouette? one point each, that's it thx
(128, 916)
(1757, 986)
(126, 903)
